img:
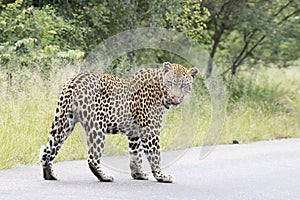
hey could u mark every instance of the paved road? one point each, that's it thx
(262, 170)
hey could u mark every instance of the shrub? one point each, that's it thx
(30, 35)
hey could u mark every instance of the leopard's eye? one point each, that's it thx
(170, 83)
(185, 86)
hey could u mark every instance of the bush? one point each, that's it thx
(30, 35)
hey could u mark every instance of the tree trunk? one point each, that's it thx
(216, 41)
(233, 70)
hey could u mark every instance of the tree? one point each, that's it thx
(252, 30)
(187, 17)
(34, 31)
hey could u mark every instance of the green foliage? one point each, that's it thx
(187, 16)
(253, 32)
(30, 35)
(285, 49)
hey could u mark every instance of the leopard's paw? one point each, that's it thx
(49, 174)
(165, 178)
(140, 176)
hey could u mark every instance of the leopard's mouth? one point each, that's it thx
(172, 100)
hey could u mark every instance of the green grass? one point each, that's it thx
(27, 107)
(267, 108)
(261, 107)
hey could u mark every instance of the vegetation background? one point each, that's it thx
(255, 44)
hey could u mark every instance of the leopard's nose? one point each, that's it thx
(175, 100)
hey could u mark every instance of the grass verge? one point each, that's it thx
(260, 107)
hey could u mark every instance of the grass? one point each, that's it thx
(26, 111)
(268, 107)
(262, 107)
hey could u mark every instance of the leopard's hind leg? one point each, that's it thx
(62, 126)
(95, 142)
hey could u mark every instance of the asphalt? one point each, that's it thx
(263, 170)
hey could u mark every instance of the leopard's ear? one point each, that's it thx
(167, 67)
(193, 72)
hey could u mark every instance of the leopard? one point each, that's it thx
(106, 104)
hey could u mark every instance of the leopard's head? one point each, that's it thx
(177, 82)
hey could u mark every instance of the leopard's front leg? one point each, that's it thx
(151, 146)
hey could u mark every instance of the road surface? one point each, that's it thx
(263, 170)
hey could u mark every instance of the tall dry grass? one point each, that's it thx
(261, 107)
